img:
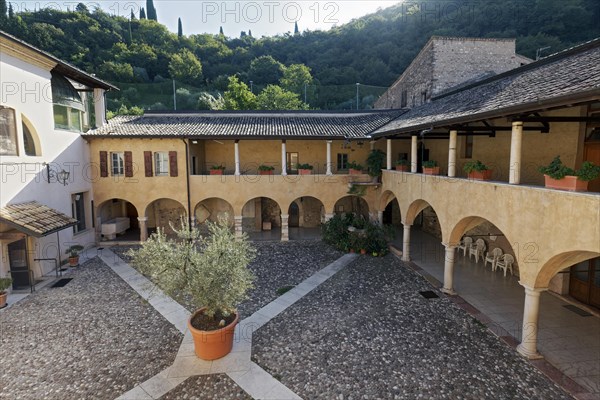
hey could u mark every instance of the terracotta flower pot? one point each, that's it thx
(355, 171)
(484, 175)
(211, 345)
(403, 168)
(3, 297)
(363, 251)
(216, 172)
(431, 171)
(74, 261)
(261, 172)
(305, 172)
(569, 182)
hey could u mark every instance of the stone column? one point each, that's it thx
(452, 154)
(143, 228)
(237, 223)
(285, 232)
(380, 217)
(99, 107)
(193, 220)
(237, 158)
(528, 346)
(516, 141)
(406, 243)
(389, 154)
(449, 269)
(328, 158)
(328, 216)
(283, 158)
(413, 154)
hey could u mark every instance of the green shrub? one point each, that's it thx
(430, 164)
(471, 166)
(305, 166)
(5, 284)
(374, 238)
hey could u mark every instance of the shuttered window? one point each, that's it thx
(103, 164)
(128, 164)
(148, 164)
(173, 163)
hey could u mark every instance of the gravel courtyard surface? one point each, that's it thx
(207, 387)
(277, 264)
(367, 333)
(95, 338)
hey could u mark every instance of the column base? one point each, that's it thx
(449, 292)
(528, 354)
(407, 259)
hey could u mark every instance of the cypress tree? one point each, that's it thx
(179, 28)
(221, 31)
(142, 13)
(296, 31)
(132, 15)
(3, 9)
(151, 11)
(11, 13)
(249, 33)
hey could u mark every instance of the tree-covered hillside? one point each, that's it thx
(140, 55)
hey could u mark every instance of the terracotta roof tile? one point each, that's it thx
(35, 219)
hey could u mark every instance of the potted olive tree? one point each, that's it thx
(305, 169)
(375, 162)
(431, 168)
(73, 253)
(210, 272)
(477, 170)
(559, 176)
(4, 284)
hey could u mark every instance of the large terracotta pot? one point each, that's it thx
(216, 172)
(305, 172)
(3, 297)
(211, 345)
(403, 168)
(569, 182)
(355, 171)
(270, 172)
(74, 261)
(431, 171)
(484, 175)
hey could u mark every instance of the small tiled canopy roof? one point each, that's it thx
(35, 219)
(564, 78)
(249, 124)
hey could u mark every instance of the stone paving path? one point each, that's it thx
(367, 333)
(237, 365)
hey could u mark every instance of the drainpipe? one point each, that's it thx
(187, 180)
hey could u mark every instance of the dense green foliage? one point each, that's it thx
(363, 235)
(557, 170)
(372, 50)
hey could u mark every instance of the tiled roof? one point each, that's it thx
(35, 219)
(572, 74)
(249, 124)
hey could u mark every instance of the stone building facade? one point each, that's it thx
(447, 62)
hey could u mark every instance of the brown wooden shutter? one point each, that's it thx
(173, 163)
(148, 163)
(103, 164)
(128, 164)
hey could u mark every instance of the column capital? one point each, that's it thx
(405, 225)
(329, 141)
(517, 123)
(450, 246)
(532, 291)
(285, 215)
(142, 219)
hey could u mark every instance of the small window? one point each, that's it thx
(117, 163)
(75, 120)
(29, 140)
(78, 208)
(8, 132)
(61, 117)
(342, 161)
(404, 99)
(161, 163)
(292, 162)
(468, 148)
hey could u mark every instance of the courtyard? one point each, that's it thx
(364, 332)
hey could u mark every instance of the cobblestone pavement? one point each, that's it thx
(277, 265)
(367, 333)
(207, 387)
(95, 338)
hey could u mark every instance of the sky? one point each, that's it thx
(262, 17)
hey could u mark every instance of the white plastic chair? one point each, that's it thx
(492, 257)
(465, 245)
(477, 250)
(506, 262)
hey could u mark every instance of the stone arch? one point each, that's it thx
(559, 262)
(213, 208)
(352, 204)
(389, 206)
(385, 199)
(261, 213)
(311, 212)
(164, 212)
(111, 211)
(414, 209)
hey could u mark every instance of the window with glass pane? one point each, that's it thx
(161, 163)
(118, 163)
(581, 271)
(8, 132)
(61, 117)
(292, 162)
(28, 141)
(78, 205)
(342, 161)
(75, 121)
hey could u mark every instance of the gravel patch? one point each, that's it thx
(277, 265)
(207, 387)
(95, 338)
(367, 333)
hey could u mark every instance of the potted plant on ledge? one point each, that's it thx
(217, 170)
(265, 169)
(4, 284)
(73, 253)
(210, 273)
(402, 165)
(431, 168)
(375, 162)
(477, 170)
(305, 169)
(559, 176)
(355, 168)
